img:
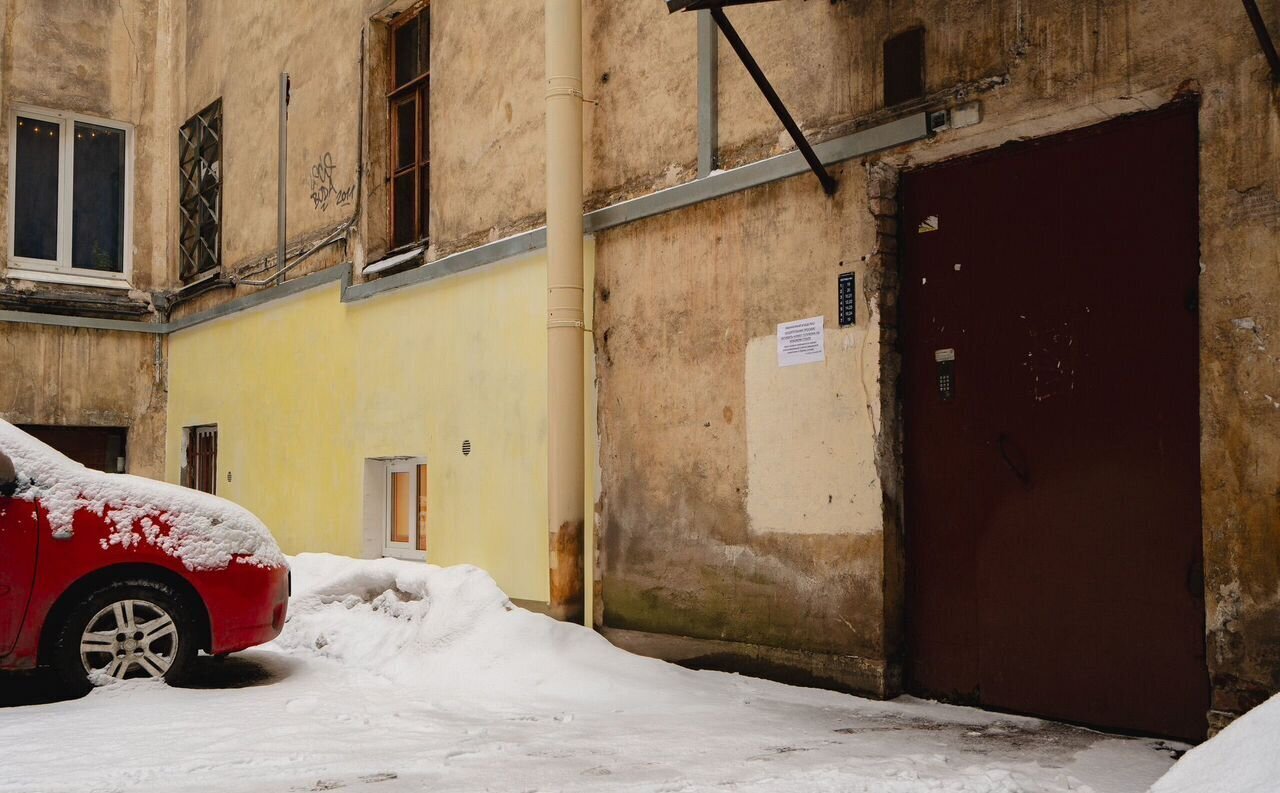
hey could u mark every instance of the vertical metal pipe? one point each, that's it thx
(282, 175)
(708, 93)
(565, 326)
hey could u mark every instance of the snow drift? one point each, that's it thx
(204, 532)
(453, 632)
(1243, 758)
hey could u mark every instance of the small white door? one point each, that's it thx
(405, 530)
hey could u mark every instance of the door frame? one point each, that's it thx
(883, 289)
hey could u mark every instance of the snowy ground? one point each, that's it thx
(392, 676)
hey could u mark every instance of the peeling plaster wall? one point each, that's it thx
(486, 127)
(741, 502)
(709, 528)
(88, 378)
(106, 59)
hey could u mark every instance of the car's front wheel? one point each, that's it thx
(126, 630)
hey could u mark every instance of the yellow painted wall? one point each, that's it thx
(304, 389)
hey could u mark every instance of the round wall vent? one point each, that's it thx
(466, 448)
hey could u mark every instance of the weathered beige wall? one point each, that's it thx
(93, 378)
(741, 501)
(106, 59)
(686, 302)
(486, 121)
(236, 50)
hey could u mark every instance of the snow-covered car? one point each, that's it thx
(113, 576)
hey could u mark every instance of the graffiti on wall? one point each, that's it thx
(324, 193)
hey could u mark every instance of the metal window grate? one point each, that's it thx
(200, 191)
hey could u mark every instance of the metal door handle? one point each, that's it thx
(1023, 475)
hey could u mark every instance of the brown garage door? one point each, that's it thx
(1052, 427)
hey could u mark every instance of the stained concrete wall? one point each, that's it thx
(105, 59)
(485, 129)
(87, 378)
(712, 528)
(741, 500)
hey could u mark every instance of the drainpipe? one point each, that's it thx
(282, 174)
(565, 408)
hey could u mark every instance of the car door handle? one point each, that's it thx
(1023, 475)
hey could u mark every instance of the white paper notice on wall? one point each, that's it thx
(801, 341)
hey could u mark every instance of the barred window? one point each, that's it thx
(200, 191)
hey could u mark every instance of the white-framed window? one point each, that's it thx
(404, 523)
(70, 198)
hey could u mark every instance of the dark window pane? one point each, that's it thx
(402, 231)
(35, 205)
(904, 67)
(406, 134)
(97, 199)
(406, 48)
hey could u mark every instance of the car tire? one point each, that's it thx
(127, 629)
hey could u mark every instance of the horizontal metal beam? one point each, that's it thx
(93, 323)
(264, 296)
(718, 185)
(885, 136)
(453, 264)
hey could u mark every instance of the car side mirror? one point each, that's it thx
(8, 476)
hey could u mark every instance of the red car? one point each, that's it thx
(114, 576)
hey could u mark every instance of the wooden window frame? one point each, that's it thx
(60, 269)
(418, 90)
(197, 476)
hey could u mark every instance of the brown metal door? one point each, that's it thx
(1053, 497)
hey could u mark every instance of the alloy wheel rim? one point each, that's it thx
(129, 639)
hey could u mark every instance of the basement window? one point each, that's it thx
(904, 67)
(200, 192)
(409, 102)
(70, 203)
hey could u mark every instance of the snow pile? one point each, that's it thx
(204, 532)
(453, 633)
(1243, 758)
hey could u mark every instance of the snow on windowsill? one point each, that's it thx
(383, 265)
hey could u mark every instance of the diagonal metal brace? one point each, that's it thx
(1264, 38)
(829, 184)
